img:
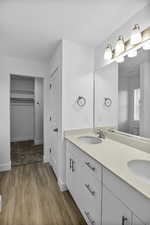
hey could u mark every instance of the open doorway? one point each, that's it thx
(26, 119)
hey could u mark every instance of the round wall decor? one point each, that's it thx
(108, 102)
(81, 101)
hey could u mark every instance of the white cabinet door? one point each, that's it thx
(136, 221)
(53, 105)
(114, 212)
(90, 189)
(83, 185)
(73, 174)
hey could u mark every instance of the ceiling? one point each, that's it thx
(32, 28)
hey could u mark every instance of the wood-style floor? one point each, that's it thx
(32, 197)
(25, 152)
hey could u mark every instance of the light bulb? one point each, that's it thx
(120, 59)
(108, 52)
(136, 36)
(146, 45)
(132, 53)
(120, 47)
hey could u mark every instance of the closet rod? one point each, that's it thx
(26, 100)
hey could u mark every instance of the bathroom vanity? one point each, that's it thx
(109, 179)
(103, 181)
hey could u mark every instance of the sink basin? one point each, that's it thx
(141, 168)
(90, 140)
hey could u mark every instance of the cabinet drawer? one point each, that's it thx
(114, 212)
(86, 162)
(91, 191)
(139, 204)
(91, 217)
(91, 166)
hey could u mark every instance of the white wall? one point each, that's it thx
(142, 18)
(12, 66)
(38, 110)
(22, 112)
(22, 121)
(145, 99)
(27, 116)
(123, 103)
(127, 84)
(106, 86)
(77, 80)
(134, 83)
(78, 67)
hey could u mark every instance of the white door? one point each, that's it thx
(114, 212)
(54, 118)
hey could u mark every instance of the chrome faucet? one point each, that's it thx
(101, 133)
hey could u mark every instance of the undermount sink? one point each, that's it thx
(90, 139)
(141, 168)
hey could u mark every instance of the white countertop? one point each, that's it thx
(114, 156)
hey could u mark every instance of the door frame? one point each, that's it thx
(58, 68)
(30, 76)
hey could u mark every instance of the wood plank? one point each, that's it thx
(32, 197)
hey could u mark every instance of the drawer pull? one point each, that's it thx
(72, 165)
(89, 189)
(89, 165)
(92, 222)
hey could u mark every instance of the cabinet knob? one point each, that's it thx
(124, 220)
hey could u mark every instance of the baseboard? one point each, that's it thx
(5, 167)
(62, 186)
(38, 141)
(45, 158)
(21, 139)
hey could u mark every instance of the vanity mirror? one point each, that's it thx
(134, 95)
(128, 86)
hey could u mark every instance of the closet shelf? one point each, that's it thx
(22, 91)
(21, 96)
(22, 100)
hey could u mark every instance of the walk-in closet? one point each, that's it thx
(26, 116)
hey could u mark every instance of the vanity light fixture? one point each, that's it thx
(146, 45)
(129, 47)
(120, 47)
(132, 53)
(108, 52)
(120, 59)
(136, 36)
